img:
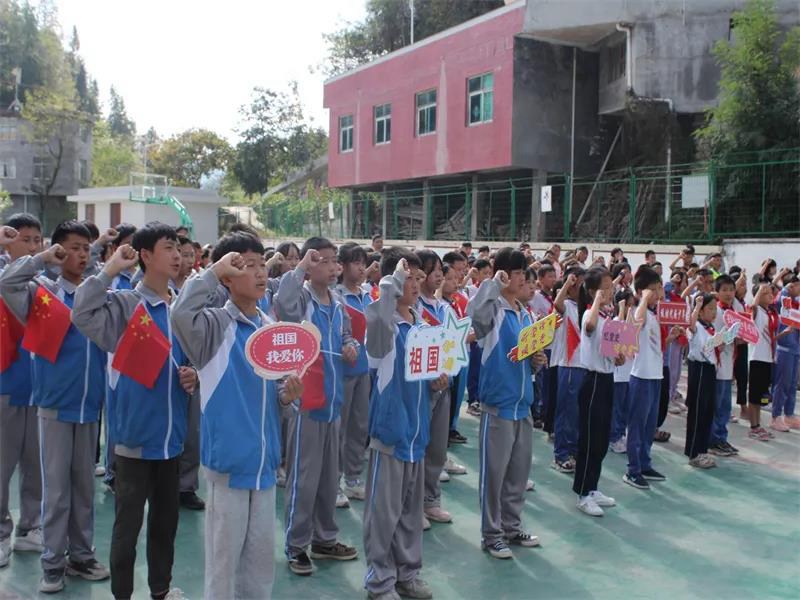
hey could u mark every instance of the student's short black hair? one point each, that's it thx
(621, 295)
(428, 259)
(467, 244)
(316, 243)
(657, 263)
(530, 274)
(482, 263)
(186, 229)
(147, 237)
(244, 228)
(93, 230)
(391, 256)
(645, 277)
(707, 299)
(377, 236)
(65, 228)
(351, 252)
(284, 248)
(579, 248)
(724, 280)
(715, 255)
(703, 273)
(373, 257)
(453, 257)
(522, 246)
(546, 262)
(508, 259)
(690, 248)
(197, 246)
(20, 220)
(545, 269)
(649, 253)
(237, 241)
(124, 230)
(484, 249)
(576, 270)
(615, 251)
(619, 268)
(182, 241)
(693, 265)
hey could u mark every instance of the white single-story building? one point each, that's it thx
(109, 206)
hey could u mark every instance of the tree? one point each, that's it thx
(387, 27)
(759, 100)
(118, 121)
(113, 158)
(189, 156)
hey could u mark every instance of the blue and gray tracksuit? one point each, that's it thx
(399, 429)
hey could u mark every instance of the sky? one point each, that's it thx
(181, 64)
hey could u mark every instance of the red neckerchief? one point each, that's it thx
(550, 301)
(710, 329)
(774, 320)
(601, 312)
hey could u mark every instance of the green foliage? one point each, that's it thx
(187, 157)
(119, 123)
(113, 158)
(759, 103)
(387, 27)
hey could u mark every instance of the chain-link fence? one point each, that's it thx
(753, 195)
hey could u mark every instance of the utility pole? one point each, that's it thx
(411, 6)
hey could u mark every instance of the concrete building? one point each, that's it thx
(108, 207)
(27, 169)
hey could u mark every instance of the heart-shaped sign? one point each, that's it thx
(280, 349)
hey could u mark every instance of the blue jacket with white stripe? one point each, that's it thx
(356, 301)
(69, 387)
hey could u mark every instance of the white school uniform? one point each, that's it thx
(697, 341)
(725, 366)
(762, 350)
(558, 357)
(590, 356)
(649, 361)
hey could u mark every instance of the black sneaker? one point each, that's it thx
(456, 438)
(90, 570)
(192, 501)
(52, 581)
(337, 551)
(731, 449)
(300, 564)
(639, 482)
(718, 449)
(653, 475)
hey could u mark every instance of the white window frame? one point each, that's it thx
(424, 108)
(8, 130)
(345, 133)
(386, 119)
(8, 168)
(43, 165)
(480, 92)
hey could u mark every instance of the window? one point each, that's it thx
(426, 112)
(115, 213)
(83, 171)
(41, 168)
(616, 62)
(83, 131)
(89, 212)
(480, 98)
(383, 124)
(8, 130)
(8, 168)
(346, 133)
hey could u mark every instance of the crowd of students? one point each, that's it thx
(205, 405)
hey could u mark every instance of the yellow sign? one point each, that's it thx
(536, 337)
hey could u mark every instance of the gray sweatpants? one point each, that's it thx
(240, 540)
(189, 463)
(19, 445)
(354, 427)
(392, 521)
(312, 482)
(68, 451)
(436, 452)
(505, 461)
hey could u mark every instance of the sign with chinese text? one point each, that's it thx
(790, 316)
(620, 337)
(280, 349)
(673, 313)
(536, 337)
(748, 332)
(726, 336)
(431, 351)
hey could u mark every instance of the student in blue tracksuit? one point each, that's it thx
(69, 401)
(357, 382)
(312, 481)
(787, 364)
(506, 429)
(19, 432)
(240, 419)
(149, 424)
(399, 430)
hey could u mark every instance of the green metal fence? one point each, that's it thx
(752, 195)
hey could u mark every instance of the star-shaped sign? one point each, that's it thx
(457, 330)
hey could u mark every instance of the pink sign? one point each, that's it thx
(281, 349)
(673, 313)
(748, 332)
(620, 337)
(790, 316)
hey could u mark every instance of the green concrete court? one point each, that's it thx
(731, 532)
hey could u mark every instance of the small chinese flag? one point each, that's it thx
(11, 332)
(142, 349)
(47, 326)
(358, 323)
(573, 339)
(429, 317)
(314, 386)
(375, 292)
(459, 303)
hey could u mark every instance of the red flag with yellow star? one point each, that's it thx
(11, 332)
(47, 325)
(142, 349)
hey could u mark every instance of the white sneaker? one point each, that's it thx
(453, 468)
(99, 470)
(5, 551)
(438, 515)
(620, 446)
(530, 486)
(30, 542)
(601, 499)
(587, 505)
(444, 477)
(175, 594)
(341, 500)
(355, 490)
(425, 523)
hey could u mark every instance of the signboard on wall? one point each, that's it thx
(547, 198)
(694, 192)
